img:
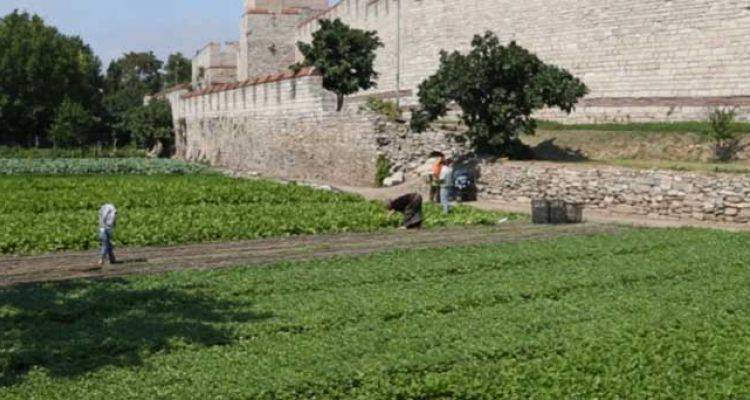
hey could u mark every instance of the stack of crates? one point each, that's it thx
(556, 211)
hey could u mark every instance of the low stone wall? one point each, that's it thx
(407, 151)
(650, 193)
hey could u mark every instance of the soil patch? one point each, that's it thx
(77, 265)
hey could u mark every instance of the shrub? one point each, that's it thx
(151, 124)
(382, 170)
(382, 107)
(72, 125)
(721, 132)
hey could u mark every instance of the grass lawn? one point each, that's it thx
(643, 127)
(641, 314)
(729, 168)
(47, 213)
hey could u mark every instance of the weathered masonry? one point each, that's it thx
(644, 60)
(282, 125)
(648, 193)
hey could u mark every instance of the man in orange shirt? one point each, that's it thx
(435, 179)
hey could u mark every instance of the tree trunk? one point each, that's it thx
(339, 101)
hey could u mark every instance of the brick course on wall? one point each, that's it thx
(643, 59)
(649, 193)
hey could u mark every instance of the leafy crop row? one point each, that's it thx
(80, 152)
(84, 166)
(642, 314)
(60, 213)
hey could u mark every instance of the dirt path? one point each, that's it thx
(76, 265)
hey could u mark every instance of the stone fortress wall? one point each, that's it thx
(644, 60)
(282, 125)
(215, 64)
(267, 43)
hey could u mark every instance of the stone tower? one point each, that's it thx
(267, 44)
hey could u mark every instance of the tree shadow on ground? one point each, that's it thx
(70, 329)
(548, 150)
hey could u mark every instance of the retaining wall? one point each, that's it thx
(281, 125)
(656, 193)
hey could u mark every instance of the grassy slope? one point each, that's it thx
(674, 146)
(645, 127)
(44, 213)
(644, 314)
(729, 168)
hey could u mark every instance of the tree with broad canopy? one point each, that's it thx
(497, 88)
(345, 56)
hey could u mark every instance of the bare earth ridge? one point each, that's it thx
(77, 265)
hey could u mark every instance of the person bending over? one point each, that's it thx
(411, 206)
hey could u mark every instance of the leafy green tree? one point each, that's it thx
(151, 125)
(344, 56)
(129, 79)
(497, 88)
(72, 126)
(178, 70)
(39, 68)
(143, 69)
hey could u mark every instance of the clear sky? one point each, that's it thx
(113, 27)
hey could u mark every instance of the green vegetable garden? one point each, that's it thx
(638, 315)
(95, 166)
(628, 315)
(48, 213)
(594, 312)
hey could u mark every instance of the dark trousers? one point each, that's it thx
(434, 190)
(108, 250)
